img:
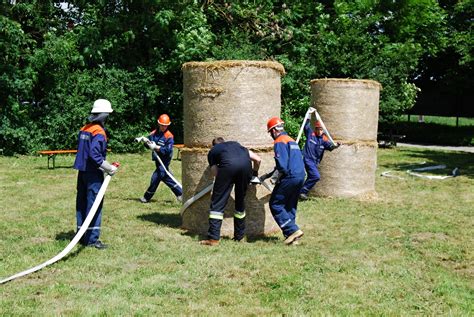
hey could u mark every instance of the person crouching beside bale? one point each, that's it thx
(231, 166)
(161, 142)
(290, 168)
(316, 143)
(91, 164)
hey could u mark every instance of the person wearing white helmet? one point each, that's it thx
(91, 164)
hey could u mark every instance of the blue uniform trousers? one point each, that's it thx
(283, 203)
(88, 186)
(313, 176)
(160, 175)
(226, 179)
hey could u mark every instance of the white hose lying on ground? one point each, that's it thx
(76, 238)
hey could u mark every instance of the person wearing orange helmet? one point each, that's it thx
(290, 168)
(161, 142)
(316, 143)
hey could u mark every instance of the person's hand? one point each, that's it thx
(152, 145)
(108, 168)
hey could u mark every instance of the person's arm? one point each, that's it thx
(281, 157)
(256, 160)
(214, 170)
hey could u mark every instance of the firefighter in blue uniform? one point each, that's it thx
(161, 142)
(231, 165)
(91, 164)
(316, 143)
(290, 169)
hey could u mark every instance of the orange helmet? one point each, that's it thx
(164, 119)
(274, 122)
(318, 124)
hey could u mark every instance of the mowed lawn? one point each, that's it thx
(410, 252)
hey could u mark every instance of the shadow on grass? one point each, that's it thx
(68, 236)
(461, 160)
(166, 219)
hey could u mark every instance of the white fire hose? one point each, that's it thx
(145, 140)
(318, 118)
(75, 240)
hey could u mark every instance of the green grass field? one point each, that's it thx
(410, 252)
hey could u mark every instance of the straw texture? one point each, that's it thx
(348, 171)
(348, 107)
(232, 99)
(196, 176)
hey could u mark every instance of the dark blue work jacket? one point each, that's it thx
(165, 140)
(315, 145)
(288, 157)
(91, 148)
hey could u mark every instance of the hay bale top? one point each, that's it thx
(216, 65)
(356, 82)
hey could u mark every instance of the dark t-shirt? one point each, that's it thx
(228, 154)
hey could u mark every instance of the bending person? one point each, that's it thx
(231, 166)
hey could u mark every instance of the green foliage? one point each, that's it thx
(55, 61)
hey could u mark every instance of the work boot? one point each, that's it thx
(209, 242)
(294, 236)
(297, 241)
(98, 245)
(303, 197)
(143, 200)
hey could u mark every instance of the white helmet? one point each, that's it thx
(102, 105)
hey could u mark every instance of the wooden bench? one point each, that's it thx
(52, 155)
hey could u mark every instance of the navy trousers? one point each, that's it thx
(160, 175)
(312, 177)
(88, 186)
(225, 180)
(284, 201)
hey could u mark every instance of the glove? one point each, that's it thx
(334, 146)
(152, 145)
(255, 180)
(275, 177)
(108, 168)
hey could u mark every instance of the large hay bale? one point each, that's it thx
(348, 107)
(348, 171)
(196, 176)
(232, 99)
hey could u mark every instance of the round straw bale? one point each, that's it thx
(196, 177)
(348, 171)
(232, 99)
(348, 107)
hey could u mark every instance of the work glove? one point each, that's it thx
(275, 177)
(335, 146)
(152, 145)
(255, 180)
(108, 168)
